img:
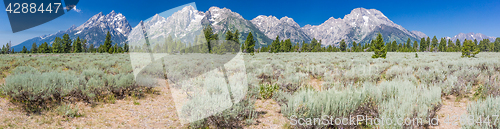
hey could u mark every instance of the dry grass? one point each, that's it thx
(154, 111)
(451, 108)
(269, 115)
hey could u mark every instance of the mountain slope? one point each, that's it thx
(285, 28)
(224, 19)
(94, 30)
(361, 25)
(471, 36)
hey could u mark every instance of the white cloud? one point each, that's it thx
(75, 9)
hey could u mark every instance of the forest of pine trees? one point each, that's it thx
(66, 45)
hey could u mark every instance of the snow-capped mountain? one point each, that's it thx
(419, 34)
(361, 25)
(183, 25)
(224, 19)
(471, 36)
(94, 30)
(285, 28)
(188, 23)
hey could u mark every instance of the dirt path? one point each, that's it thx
(153, 111)
(269, 116)
(450, 108)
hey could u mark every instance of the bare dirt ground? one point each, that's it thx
(451, 108)
(153, 111)
(269, 116)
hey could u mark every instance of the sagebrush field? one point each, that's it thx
(302, 85)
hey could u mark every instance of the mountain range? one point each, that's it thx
(361, 25)
(94, 30)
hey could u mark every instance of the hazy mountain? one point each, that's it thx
(471, 36)
(361, 25)
(94, 30)
(419, 34)
(285, 28)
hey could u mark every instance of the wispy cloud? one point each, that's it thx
(75, 9)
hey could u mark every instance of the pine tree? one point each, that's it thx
(458, 45)
(275, 45)
(451, 46)
(343, 45)
(209, 36)
(25, 50)
(379, 48)
(91, 48)
(106, 47)
(304, 47)
(423, 45)
(125, 48)
(57, 46)
(434, 43)
(250, 43)
(394, 46)
(34, 48)
(497, 45)
(354, 47)
(442, 45)
(66, 44)
(415, 45)
(78, 46)
(84, 46)
(469, 49)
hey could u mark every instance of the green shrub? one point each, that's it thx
(266, 90)
(313, 104)
(37, 90)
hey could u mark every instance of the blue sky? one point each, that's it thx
(440, 18)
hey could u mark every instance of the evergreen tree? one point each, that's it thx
(3, 49)
(408, 43)
(250, 43)
(394, 46)
(354, 47)
(442, 45)
(44, 48)
(78, 46)
(343, 45)
(469, 49)
(106, 47)
(66, 44)
(57, 45)
(458, 45)
(304, 47)
(484, 45)
(91, 48)
(428, 44)
(379, 48)
(125, 48)
(423, 45)
(7, 51)
(25, 50)
(497, 45)
(34, 48)
(451, 46)
(275, 45)
(209, 36)
(84, 46)
(434, 43)
(415, 45)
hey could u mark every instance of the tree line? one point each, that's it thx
(425, 45)
(67, 45)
